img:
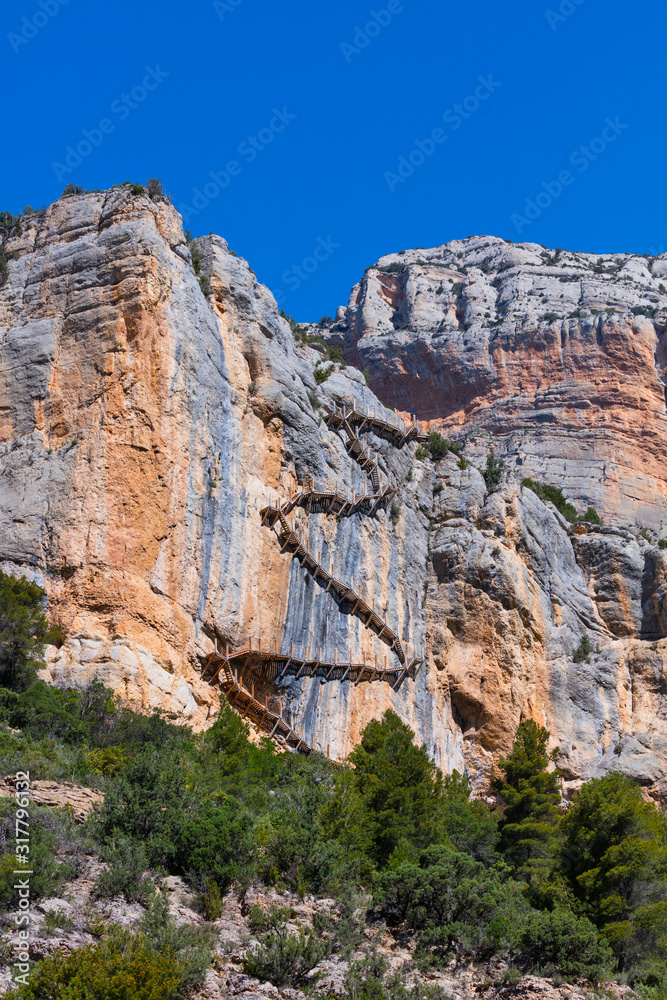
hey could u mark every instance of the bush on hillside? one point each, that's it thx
(284, 957)
(123, 968)
(560, 940)
(23, 631)
(458, 905)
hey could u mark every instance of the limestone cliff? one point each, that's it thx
(555, 358)
(148, 426)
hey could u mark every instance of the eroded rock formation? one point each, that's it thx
(556, 358)
(146, 424)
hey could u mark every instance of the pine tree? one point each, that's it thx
(23, 631)
(531, 793)
(392, 799)
(615, 861)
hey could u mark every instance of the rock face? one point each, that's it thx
(147, 423)
(557, 359)
(59, 795)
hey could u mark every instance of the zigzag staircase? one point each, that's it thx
(238, 673)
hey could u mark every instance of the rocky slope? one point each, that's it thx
(146, 424)
(81, 914)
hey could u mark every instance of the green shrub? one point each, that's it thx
(493, 471)
(336, 354)
(437, 445)
(322, 374)
(457, 905)
(56, 921)
(210, 901)
(126, 875)
(108, 760)
(190, 945)
(23, 631)
(463, 463)
(72, 189)
(196, 256)
(122, 967)
(662, 543)
(154, 189)
(205, 285)
(583, 650)
(364, 978)
(292, 852)
(511, 976)
(569, 943)
(283, 957)
(50, 832)
(554, 495)
(421, 453)
(151, 802)
(367, 375)
(137, 189)
(347, 932)
(298, 331)
(591, 516)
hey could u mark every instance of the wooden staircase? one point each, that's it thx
(396, 428)
(345, 595)
(239, 672)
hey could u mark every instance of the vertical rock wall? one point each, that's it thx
(145, 424)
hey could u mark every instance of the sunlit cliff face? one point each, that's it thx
(146, 425)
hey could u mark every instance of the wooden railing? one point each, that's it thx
(239, 672)
(234, 671)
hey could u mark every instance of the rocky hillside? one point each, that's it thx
(155, 405)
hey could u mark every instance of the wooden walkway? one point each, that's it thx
(244, 701)
(331, 501)
(396, 428)
(239, 672)
(343, 593)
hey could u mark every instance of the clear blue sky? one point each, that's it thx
(326, 178)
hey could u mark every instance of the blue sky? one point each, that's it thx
(306, 110)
